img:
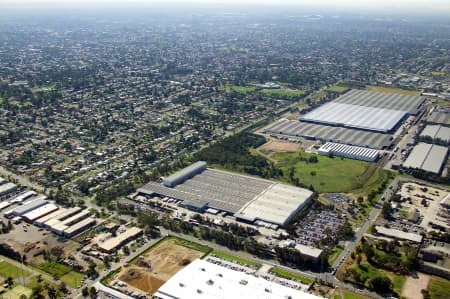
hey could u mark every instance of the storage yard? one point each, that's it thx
(249, 199)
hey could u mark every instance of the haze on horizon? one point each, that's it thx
(394, 7)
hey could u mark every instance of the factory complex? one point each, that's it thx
(249, 199)
(37, 209)
(359, 118)
(436, 132)
(208, 280)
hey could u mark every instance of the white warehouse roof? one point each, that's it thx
(398, 234)
(276, 204)
(355, 116)
(7, 188)
(202, 279)
(115, 242)
(40, 212)
(349, 151)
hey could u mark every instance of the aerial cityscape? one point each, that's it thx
(214, 149)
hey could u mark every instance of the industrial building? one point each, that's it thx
(354, 116)
(40, 212)
(210, 281)
(184, 174)
(249, 199)
(79, 227)
(61, 223)
(7, 188)
(23, 196)
(115, 243)
(325, 133)
(436, 132)
(440, 118)
(309, 252)
(427, 157)
(349, 151)
(359, 117)
(28, 206)
(398, 234)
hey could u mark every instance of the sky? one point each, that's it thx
(441, 6)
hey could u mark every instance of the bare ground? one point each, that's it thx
(413, 286)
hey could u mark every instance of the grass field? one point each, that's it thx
(397, 282)
(235, 259)
(348, 295)
(291, 94)
(290, 275)
(16, 292)
(337, 250)
(62, 272)
(1, 100)
(337, 89)
(9, 270)
(240, 89)
(72, 279)
(393, 90)
(438, 288)
(328, 174)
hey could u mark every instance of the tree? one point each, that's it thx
(92, 292)
(387, 210)
(85, 292)
(380, 284)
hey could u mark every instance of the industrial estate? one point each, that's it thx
(194, 153)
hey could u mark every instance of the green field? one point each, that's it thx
(438, 288)
(393, 90)
(397, 283)
(337, 89)
(16, 292)
(9, 270)
(290, 275)
(328, 174)
(1, 100)
(240, 89)
(348, 295)
(72, 279)
(63, 272)
(291, 94)
(236, 259)
(337, 250)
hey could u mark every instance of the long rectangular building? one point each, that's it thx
(79, 227)
(30, 205)
(436, 132)
(7, 188)
(23, 196)
(427, 157)
(349, 151)
(40, 212)
(330, 133)
(114, 243)
(355, 116)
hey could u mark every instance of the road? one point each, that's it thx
(20, 179)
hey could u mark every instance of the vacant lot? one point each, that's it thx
(275, 146)
(17, 292)
(412, 289)
(327, 174)
(158, 265)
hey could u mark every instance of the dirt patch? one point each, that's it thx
(158, 265)
(276, 146)
(414, 285)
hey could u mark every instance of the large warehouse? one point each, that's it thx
(358, 117)
(427, 157)
(202, 279)
(436, 132)
(249, 199)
